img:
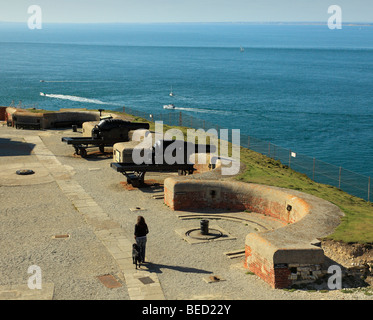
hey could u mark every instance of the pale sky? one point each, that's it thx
(145, 11)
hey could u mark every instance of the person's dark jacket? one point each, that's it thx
(141, 230)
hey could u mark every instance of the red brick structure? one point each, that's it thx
(2, 113)
(280, 257)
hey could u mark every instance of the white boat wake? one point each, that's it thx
(77, 81)
(200, 110)
(75, 98)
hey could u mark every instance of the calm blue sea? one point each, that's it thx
(306, 88)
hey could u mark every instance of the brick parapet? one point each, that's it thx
(268, 254)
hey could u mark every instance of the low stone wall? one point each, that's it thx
(9, 111)
(87, 128)
(68, 118)
(28, 120)
(236, 196)
(280, 257)
(122, 151)
(21, 118)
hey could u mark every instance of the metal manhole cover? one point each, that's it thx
(146, 280)
(109, 281)
(24, 172)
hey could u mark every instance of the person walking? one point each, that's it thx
(141, 230)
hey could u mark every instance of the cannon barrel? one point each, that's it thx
(187, 148)
(186, 145)
(116, 129)
(106, 133)
(109, 124)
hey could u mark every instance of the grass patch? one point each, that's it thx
(357, 224)
(347, 291)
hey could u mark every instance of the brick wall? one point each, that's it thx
(281, 277)
(277, 276)
(280, 257)
(195, 194)
(2, 113)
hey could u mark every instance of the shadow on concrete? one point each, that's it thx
(98, 156)
(93, 155)
(156, 268)
(10, 148)
(151, 186)
(351, 278)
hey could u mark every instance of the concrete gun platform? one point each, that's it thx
(85, 199)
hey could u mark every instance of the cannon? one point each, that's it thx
(163, 156)
(106, 133)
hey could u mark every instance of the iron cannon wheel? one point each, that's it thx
(83, 152)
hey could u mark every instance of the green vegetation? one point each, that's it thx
(357, 224)
(368, 291)
(347, 291)
(34, 110)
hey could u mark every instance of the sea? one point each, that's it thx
(302, 87)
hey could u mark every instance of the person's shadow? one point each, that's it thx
(156, 268)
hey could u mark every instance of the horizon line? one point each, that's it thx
(347, 23)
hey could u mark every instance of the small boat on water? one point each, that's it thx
(168, 106)
(171, 93)
(242, 49)
(43, 94)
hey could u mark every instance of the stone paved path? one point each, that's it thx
(142, 284)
